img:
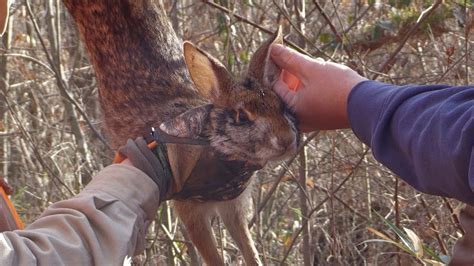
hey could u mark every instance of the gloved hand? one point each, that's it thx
(155, 165)
(209, 179)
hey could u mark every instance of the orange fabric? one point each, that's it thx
(291, 80)
(120, 157)
(12, 209)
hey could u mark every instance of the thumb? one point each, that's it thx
(285, 93)
(289, 59)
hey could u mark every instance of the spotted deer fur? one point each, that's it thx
(143, 82)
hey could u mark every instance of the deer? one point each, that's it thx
(148, 77)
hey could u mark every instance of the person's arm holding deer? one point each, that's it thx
(423, 133)
(103, 224)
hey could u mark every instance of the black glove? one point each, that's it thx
(154, 162)
(212, 179)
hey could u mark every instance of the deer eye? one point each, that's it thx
(242, 117)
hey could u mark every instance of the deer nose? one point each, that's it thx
(287, 142)
(284, 142)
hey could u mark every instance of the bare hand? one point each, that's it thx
(320, 101)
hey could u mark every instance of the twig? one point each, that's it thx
(397, 214)
(423, 16)
(455, 63)
(433, 225)
(305, 221)
(32, 59)
(34, 148)
(174, 246)
(453, 216)
(301, 34)
(354, 23)
(345, 204)
(466, 38)
(61, 85)
(245, 20)
(332, 220)
(333, 28)
(280, 177)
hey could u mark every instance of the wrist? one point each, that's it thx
(150, 158)
(326, 107)
(344, 100)
(127, 162)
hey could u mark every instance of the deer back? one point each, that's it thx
(138, 61)
(140, 69)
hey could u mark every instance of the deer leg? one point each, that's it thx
(196, 217)
(234, 214)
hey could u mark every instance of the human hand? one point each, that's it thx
(140, 155)
(320, 100)
(127, 162)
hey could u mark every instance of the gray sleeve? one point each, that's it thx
(102, 225)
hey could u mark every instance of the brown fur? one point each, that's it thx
(143, 82)
(246, 121)
(132, 47)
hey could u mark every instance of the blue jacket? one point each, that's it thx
(425, 134)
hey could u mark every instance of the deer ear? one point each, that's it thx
(209, 75)
(4, 10)
(261, 66)
(189, 124)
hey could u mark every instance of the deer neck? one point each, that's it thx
(142, 76)
(138, 61)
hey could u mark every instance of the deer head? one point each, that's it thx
(244, 119)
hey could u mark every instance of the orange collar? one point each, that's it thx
(159, 136)
(120, 157)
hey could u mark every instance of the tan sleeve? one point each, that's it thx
(102, 225)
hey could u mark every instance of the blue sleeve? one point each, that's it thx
(424, 134)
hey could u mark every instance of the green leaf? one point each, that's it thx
(415, 240)
(403, 237)
(350, 19)
(410, 243)
(244, 57)
(464, 3)
(442, 258)
(297, 211)
(248, 3)
(399, 3)
(325, 38)
(230, 61)
(376, 32)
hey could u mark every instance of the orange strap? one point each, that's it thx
(11, 208)
(120, 157)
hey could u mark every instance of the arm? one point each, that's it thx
(425, 134)
(100, 226)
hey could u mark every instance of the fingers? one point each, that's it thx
(281, 88)
(287, 95)
(289, 60)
